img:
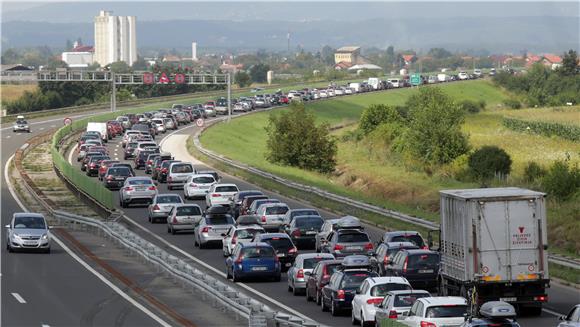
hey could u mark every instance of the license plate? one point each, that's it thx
(426, 271)
(508, 299)
(281, 255)
(311, 233)
(140, 189)
(30, 242)
(259, 268)
(354, 248)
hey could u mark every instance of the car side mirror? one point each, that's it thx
(307, 273)
(223, 234)
(7, 226)
(358, 291)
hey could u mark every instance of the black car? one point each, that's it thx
(149, 162)
(94, 164)
(303, 229)
(239, 197)
(386, 251)
(115, 177)
(126, 165)
(164, 170)
(319, 278)
(419, 267)
(129, 150)
(283, 246)
(404, 236)
(141, 158)
(341, 289)
(87, 158)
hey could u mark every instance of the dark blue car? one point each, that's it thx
(253, 260)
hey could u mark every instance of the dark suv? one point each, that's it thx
(319, 278)
(386, 251)
(282, 244)
(419, 267)
(303, 230)
(247, 202)
(141, 158)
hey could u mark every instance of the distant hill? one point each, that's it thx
(495, 34)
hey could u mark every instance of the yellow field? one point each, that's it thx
(11, 92)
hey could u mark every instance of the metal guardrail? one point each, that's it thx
(556, 259)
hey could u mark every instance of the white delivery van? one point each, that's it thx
(101, 128)
(375, 83)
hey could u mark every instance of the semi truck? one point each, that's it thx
(493, 246)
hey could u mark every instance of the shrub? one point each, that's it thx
(295, 140)
(512, 103)
(470, 106)
(482, 104)
(488, 162)
(377, 114)
(561, 181)
(533, 171)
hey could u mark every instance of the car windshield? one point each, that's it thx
(119, 171)
(383, 289)
(258, 252)
(140, 182)
(354, 279)
(420, 260)
(310, 263)
(182, 168)
(203, 180)
(353, 238)
(279, 243)
(407, 300)
(446, 311)
(277, 210)
(310, 222)
(226, 189)
(415, 239)
(246, 233)
(219, 220)
(188, 211)
(29, 223)
(169, 199)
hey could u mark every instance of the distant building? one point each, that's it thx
(348, 54)
(115, 39)
(171, 58)
(409, 58)
(231, 68)
(81, 56)
(194, 51)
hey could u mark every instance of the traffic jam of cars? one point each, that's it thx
(335, 264)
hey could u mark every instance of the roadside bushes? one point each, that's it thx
(472, 107)
(294, 139)
(377, 114)
(562, 181)
(489, 162)
(512, 103)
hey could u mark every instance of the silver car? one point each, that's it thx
(137, 190)
(161, 206)
(178, 173)
(211, 227)
(28, 231)
(183, 217)
(239, 234)
(159, 125)
(272, 215)
(169, 123)
(302, 268)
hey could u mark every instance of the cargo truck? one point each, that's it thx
(493, 244)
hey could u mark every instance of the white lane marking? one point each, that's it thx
(45, 325)
(8, 136)
(70, 155)
(19, 298)
(218, 272)
(40, 129)
(79, 260)
(557, 314)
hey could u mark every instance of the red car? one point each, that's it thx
(283, 99)
(117, 127)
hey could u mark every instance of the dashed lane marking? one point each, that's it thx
(19, 298)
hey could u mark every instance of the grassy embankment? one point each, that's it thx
(368, 174)
(11, 92)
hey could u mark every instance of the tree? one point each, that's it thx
(327, 54)
(439, 53)
(488, 162)
(377, 114)
(119, 67)
(569, 63)
(139, 65)
(258, 72)
(243, 79)
(294, 139)
(434, 136)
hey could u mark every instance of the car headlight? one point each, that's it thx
(16, 236)
(44, 237)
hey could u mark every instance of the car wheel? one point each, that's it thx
(308, 297)
(150, 220)
(363, 322)
(228, 276)
(9, 248)
(195, 244)
(289, 288)
(295, 291)
(333, 309)
(173, 231)
(168, 229)
(353, 319)
(235, 279)
(201, 245)
(322, 305)
(318, 298)
(534, 311)
(278, 278)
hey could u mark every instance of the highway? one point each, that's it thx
(561, 298)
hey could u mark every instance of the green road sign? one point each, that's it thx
(415, 79)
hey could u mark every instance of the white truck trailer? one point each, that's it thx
(494, 241)
(101, 128)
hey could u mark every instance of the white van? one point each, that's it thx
(395, 82)
(101, 128)
(375, 83)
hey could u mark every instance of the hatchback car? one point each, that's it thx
(302, 268)
(272, 215)
(129, 152)
(256, 204)
(319, 277)
(387, 251)
(183, 217)
(253, 260)
(94, 164)
(220, 194)
(115, 177)
(420, 267)
(282, 244)
(239, 234)
(149, 162)
(105, 164)
(197, 185)
(210, 228)
(137, 190)
(437, 311)
(396, 305)
(28, 231)
(161, 206)
(404, 236)
(303, 230)
(299, 212)
(164, 170)
(239, 198)
(371, 294)
(331, 225)
(178, 173)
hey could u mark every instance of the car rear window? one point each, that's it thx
(310, 222)
(203, 180)
(420, 260)
(354, 279)
(297, 213)
(415, 239)
(277, 210)
(279, 243)
(188, 211)
(383, 289)
(140, 182)
(219, 220)
(446, 311)
(121, 171)
(393, 251)
(258, 252)
(246, 233)
(310, 263)
(353, 238)
(226, 189)
(407, 300)
(182, 168)
(169, 199)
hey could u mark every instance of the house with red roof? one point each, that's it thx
(408, 58)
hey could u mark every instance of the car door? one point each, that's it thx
(228, 239)
(359, 298)
(383, 310)
(413, 318)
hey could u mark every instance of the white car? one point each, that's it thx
(463, 75)
(323, 94)
(302, 268)
(330, 93)
(272, 215)
(339, 92)
(396, 304)
(219, 194)
(572, 319)
(197, 185)
(239, 234)
(348, 90)
(371, 294)
(437, 311)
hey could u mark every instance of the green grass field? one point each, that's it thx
(561, 115)
(366, 173)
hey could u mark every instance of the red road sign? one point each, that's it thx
(67, 121)
(199, 122)
(164, 79)
(148, 78)
(179, 78)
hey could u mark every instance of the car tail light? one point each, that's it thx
(175, 220)
(338, 247)
(263, 219)
(205, 229)
(300, 273)
(109, 177)
(239, 259)
(393, 314)
(425, 247)
(369, 246)
(375, 301)
(296, 232)
(427, 324)
(164, 170)
(149, 162)
(152, 188)
(341, 295)
(128, 188)
(541, 298)
(215, 195)
(156, 207)
(405, 265)
(386, 259)
(293, 250)
(234, 239)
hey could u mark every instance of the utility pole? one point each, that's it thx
(229, 96)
